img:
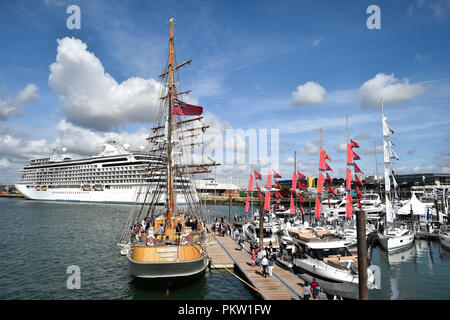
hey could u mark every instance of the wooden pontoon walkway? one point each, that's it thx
(284, 285)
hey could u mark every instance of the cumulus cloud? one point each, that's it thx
(310, 93)
(341, 147)
(91, 98)
(311, 147)
(16, 105)
(18, 147)
(388, 87)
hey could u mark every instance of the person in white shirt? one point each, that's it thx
(264, 263)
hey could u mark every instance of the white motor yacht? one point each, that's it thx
(396, 239)
(270, 229)
(324, 257)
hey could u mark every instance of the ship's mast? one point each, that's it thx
(170, 202)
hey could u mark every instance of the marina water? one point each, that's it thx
(40, 240)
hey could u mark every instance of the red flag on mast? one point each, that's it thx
(181, 108)
(257, 175)
(269, 181)
(292, 207)
(355, 156)
(267, 201)
(318, 208)
(326, 156)
(250, 184)
(300, 176)
(294, 182)
(331, 190)
(357, 169)
(349, 208)
(354, 144)
(358, 192)
(247, 203)
(276, 175)
(320, 183)
(348, 179)
(278, 195)
(277, 184)
(358, 181)
(327, 167)
(349, 154)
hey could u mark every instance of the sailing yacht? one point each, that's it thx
(169, 242)
(393, 239)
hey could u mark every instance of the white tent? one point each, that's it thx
(419, 208)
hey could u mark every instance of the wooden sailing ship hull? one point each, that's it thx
(154, 262)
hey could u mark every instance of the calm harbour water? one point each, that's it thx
(39, 240)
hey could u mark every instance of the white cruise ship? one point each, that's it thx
(114, 176)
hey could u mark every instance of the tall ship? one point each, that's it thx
(168, 242)
(115, 175)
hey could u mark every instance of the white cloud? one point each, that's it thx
(422, 57)
(311, 147)
(309, 93)
(16, 147)
(16, 105)
(389, 88)
(316, 42)
(92, 98)
(341, 147)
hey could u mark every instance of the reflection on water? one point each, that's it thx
(402, 256)
(419, 272)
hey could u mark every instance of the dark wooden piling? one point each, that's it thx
(362, 255)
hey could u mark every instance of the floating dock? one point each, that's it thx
(283, 285)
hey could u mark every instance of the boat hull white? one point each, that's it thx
(133, 194)
(329, 280)
(444, 240)
(396, 243)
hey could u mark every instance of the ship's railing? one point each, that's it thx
(175, 238)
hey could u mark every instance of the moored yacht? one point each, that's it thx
(326, 258)
(444, 237)
(396, 239)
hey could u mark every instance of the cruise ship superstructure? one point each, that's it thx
(114, 176)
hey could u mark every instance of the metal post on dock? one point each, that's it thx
(230, 211)
(261, 224)
(362, 255)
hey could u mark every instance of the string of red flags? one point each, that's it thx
(268, 187)
(348, 182)
(323, 167)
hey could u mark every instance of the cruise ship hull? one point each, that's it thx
(134, 194)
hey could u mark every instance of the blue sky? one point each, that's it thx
(249, 57)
